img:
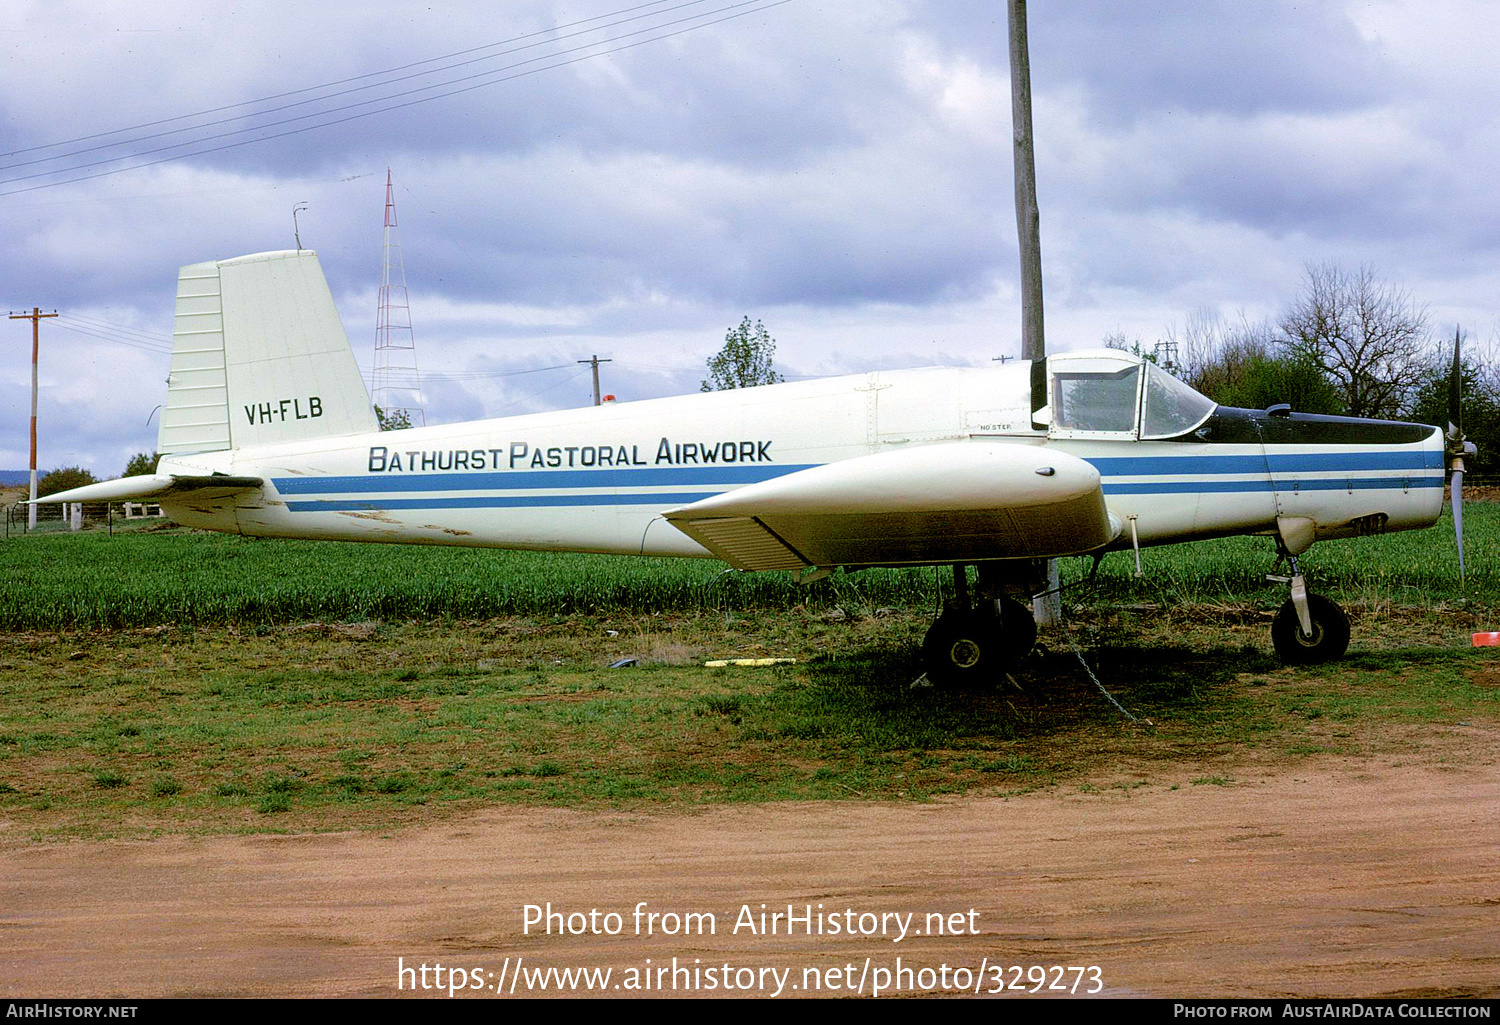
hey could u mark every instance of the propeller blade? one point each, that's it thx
(1457, 495)
(1455, 387)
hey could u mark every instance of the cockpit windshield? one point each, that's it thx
(1172, 408)
(1104, 392)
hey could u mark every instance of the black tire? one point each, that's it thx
(972, 648)
(1330, 636)
(1019, 626)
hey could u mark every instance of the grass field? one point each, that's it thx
(143, 578)
(316, 727)
(192, 682)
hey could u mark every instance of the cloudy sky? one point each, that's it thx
(629, 179)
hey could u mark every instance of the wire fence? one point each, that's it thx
(52, 519)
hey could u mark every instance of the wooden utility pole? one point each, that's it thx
(36, 316)
(1028, 217)
(1048, 608)
(596, 361)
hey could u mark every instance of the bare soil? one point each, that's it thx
(1369, 877)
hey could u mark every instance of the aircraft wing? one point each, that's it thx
(952, 502)
(156, 486)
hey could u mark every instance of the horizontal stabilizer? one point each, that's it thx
(155, 486)
(956, 502)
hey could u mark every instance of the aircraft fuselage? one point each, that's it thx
(597, 479)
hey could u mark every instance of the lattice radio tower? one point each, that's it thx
(395, 385)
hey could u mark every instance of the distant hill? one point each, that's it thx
(14, 478)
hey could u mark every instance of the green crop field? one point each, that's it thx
(145, 578)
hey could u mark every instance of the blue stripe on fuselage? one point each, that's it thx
(658, 499)
(1283, 484)
(518, 480)
(1208, 471)
(1304, 462)
(1285, 471)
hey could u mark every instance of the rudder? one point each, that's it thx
(259, 357)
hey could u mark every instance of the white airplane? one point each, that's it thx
(268, 431)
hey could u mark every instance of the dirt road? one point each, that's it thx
(1342, 878)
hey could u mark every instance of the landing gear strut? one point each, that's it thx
(1309, 628)
(973, 642)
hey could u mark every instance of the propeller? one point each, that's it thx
(1458, 448)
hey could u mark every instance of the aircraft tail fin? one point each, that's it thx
(259, 356)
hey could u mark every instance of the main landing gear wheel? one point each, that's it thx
(1328, 641)
(972, 647)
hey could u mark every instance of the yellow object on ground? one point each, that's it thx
(719, 663)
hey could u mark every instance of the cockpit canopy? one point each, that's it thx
(1109, 393)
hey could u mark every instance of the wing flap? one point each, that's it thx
(954, 502)
(745, 543)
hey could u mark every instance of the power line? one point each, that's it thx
(325, 85)
(550, 388)
(145, 336)
(329, 85)
(658, 366)
(478, 375)
(109, 333)
(704, 19)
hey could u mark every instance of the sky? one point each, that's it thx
(629, 179)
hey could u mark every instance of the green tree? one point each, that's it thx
(745, 361)
(1252, 373)
(1289, 378)
(64, 478)
(1480, 401)
(395, 420)
(141, 463)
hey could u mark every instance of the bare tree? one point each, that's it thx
(1212, 353)
(1486, 358)
(1368, 336)
(1247, 363)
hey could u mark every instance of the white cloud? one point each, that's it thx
(841, 172)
